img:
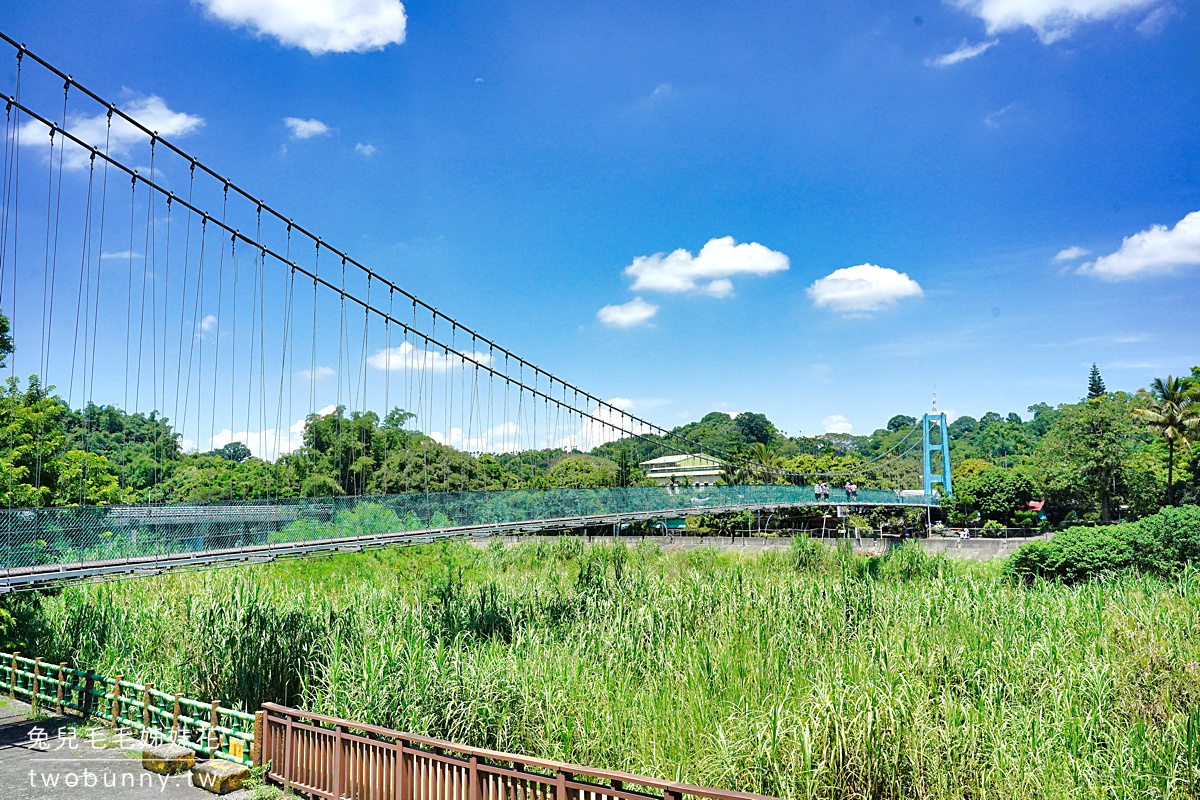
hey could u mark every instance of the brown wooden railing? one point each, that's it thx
(337, 759)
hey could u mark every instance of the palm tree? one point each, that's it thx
(1171, 414)
(733, 475)
(765, 455)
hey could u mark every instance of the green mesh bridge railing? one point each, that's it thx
(43, 546)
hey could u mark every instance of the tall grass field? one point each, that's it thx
(813, 673)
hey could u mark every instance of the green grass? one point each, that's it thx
(802, 674)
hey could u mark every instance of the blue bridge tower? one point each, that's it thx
(929, 422)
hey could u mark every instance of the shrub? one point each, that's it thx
(1161, 544)
(993, 528)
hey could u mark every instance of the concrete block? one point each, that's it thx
(168, 759)
(219, 777)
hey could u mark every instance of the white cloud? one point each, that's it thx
(1071, 253)
(208, 323)
(709, 271)
(409, 357)
(660, 93)
(318, 26)
(320, 373)
(836, 423)
(365, 150)
(627, 315)
(150, 111)
(862, 289)
(991, 119)
(123, 255)
(1157, 19)
(1050, 19)
(268, 444)
(306, 128)
(1158, 250)
(603, 425)
(961, 53)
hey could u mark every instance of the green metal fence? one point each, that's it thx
(52, 536)
(209, 729)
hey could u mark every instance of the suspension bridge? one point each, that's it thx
(164, 308)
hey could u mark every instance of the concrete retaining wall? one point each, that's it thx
(971, 549)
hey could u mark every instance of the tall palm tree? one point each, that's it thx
(765, 455)
(1171, 413)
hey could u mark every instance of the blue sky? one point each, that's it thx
(895, 181)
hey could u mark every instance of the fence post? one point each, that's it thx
(89, 682)
(37, 680)
(337, 761)
(115, 709)
(146, 711)
(560, 787)
(405, 776)
(61, 680)
(214, 738)
(256, 747)
(175, 720)
(12, 676)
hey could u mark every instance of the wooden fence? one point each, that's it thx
(206, 728)
(336, 759)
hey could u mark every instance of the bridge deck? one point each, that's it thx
(57, 546)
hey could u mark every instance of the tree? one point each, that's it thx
(581, 472)
(1095, 383)
(1172, 416)
(768, 457)
(1080, 462)
(234, 451)
(995, 493)
(755, 427)
(6, 342)
(733, 475)
(962, 426)
(86, 479)
(900, 421)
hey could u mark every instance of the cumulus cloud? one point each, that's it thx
(961, 53)
(627, 315)
(365, 150)
(318, 26)
(1158, 250)
(836, 423)
(707, 272)
(862, 289)
(150, 111)
(603, 425)
(268, 444)
(306, 128)
(410, 357)
(1071, 253)
(1050, 19)
(502, 438)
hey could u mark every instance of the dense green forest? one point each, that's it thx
(1110, 456)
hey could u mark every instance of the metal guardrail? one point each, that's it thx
(332, 758)
(209, 729)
